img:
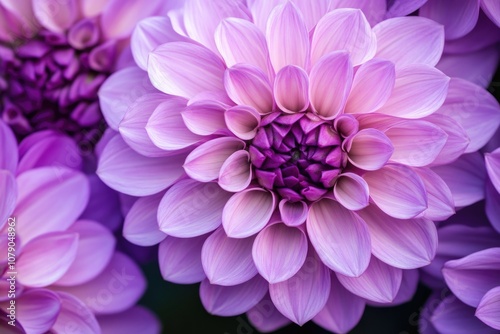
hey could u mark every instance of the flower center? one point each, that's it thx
(298, 156)
(51, 82)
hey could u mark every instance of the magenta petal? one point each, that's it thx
(333, 69)
(439, 197)
(279, 252)
(37, 310)
(204, 117)
(190, 208)
(379, 283)
(8, 149)
(8, 189)
(86, 265)
(232, 300)
(413, 242)
(351, 190)
(425, 36)
(293, 213)
(470, 277)
(489, 308)
(204, 162)
(45, 259)
(119, 168)
(228, 261)
(56, 16)
(236, 172)
(243, 121)
(265, 316)
(301, 297)
(185, 69)
(344, 29)
(369, 149)
(137, 319)
(75, 314)
(291, 89)
(342, 311)
(141, 225)
(339, 236)
(180, 259)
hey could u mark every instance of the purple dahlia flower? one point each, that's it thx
(65, 273)
(282, 153)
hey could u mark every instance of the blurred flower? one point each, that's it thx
(66, 272)
(289, 175)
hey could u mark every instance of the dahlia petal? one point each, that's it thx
(240, 41)
(416, 143)
(470, 277)
(439, 197)
(351, 190)
(52, 195)
(342, 311)
(201, 18)
(45, 259)
(344, 29)
(243, 121)
(148, 35)
(227, 261)
(425, 36)
(279, 252)
(312, 11)
(403, 7)
(265, 317)
(369, 149)
(236, 172)
(117, 288)
(56, 16)
(141, 225)
(284, 21)
(137, 319)
(339, 236)
(379, 283)
(204, 162)
(492, 9)
(293, 213)
(190, 208)
(419, 91)
(474, 109)
(248, 85)
(374, 10)
(372, 86)
(8, 189)
(232, 300)
(328, 101)
(185, 69)
(247, 212)
(204, 117)
(489, 308)
(8, 149)
(457, 20)
(37, 310)
(465, 177)
(133, 125)
(75, 314)
(291, 89)
(87, 264)
(119, 91)
(408, 287)
(493, 206)
(180, 259)
(413, 242)
(397, 190)
(119, 166)
(304, 295)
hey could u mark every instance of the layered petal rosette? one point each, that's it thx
(282, 154)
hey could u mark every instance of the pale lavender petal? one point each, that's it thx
(185, 69)
(342, 311)
(439, 197)
(141, 225)
(37, 310)
(330, 83)
(397, 190)
(232, 300)
(344, 29)
(204, 117)
(190, 208)
(379, 283)
(56, 16)
(374, 10)
(137, 319)
(243, 121)
(425, 36)
(204, 162)
(45, 259)
(291, 89)
(492, 9)
(312, 11)
(489, 308)
(228, 261)
(8, 149)
(351, 190)
(247, 212)
(180, 259)
(75, 314)
(293, 213)
(369, 149)
(8, 189)
(303, 296)
(279, 252)
(236, 172)
(340, 237)
(405, 244)
(125, 170)
(265, 316)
